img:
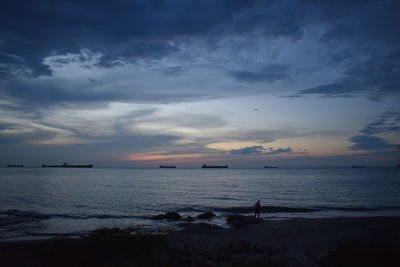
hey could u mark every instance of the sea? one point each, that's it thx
(41, 203)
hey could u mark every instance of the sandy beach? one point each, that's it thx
(369, 241)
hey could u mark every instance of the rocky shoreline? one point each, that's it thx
(370, 241)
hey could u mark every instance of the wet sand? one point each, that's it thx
(315, 237)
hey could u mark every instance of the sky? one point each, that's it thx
(246, 83)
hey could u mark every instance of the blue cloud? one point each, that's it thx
(272, 151)
(260, 150)
(250, 150)
(365, 142)
(267, 73)
(330, 89)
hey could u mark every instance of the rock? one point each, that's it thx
(206, 215)
(158, 217)
(168, 215)
(172, 216)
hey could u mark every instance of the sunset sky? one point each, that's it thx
(238, 82)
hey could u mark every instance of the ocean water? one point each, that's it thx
(46, 202)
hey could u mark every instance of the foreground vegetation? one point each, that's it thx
(116, 247)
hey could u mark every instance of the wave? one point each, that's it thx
(353, 208)
(269, 209)
(54, 234)
(14, 216)
(23, 216)
(286, 209)
(190, 209)
(93, 216)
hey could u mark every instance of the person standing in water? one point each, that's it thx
(257, 207)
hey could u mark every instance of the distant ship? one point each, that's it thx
(359, 166)
(15, 165)
(168, 166)
(270, 167)
(65, 165)
(215, 166)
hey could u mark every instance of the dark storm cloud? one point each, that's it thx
(31, 30)
(361, 20)
(127, 31)
(372, 55)
(379, 75)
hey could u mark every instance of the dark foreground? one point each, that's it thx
(299, 242)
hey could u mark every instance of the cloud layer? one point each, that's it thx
(141, 76)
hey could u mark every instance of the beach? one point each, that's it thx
(360, 241)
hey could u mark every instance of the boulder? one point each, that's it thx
(206, 215)
(172, 216)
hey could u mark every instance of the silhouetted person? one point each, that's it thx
(257, 207)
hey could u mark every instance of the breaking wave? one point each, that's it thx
(18, 216)
(10, 217)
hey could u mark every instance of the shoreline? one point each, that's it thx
(311, 237)
(314, 235)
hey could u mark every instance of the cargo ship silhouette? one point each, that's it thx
(215, 166)
(66, 165)
(15, 165)
(359, 166)
(167, 166)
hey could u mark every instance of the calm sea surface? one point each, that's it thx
(45, 202)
